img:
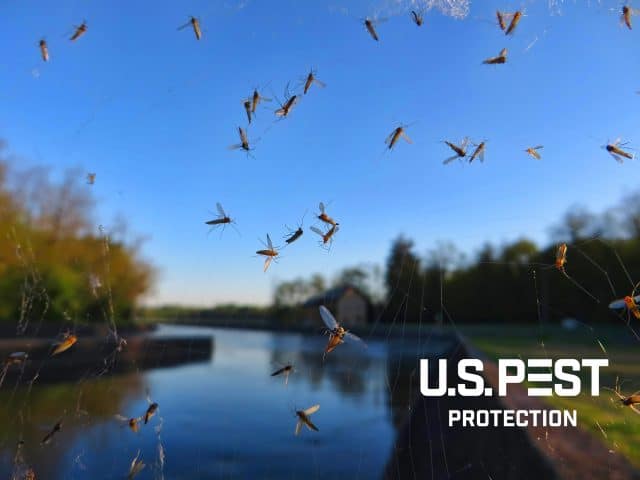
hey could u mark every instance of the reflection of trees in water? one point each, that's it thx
(345, 371)
(402, 377)
(30, 415)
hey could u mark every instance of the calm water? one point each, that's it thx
(225, 417)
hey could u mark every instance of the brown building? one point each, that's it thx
(350, 306)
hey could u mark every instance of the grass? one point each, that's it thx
(617, 426)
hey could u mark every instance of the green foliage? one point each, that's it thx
(55, 264)
(518, 282)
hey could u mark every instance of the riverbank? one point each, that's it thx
(96, 355)
(427, 447)
(375, 330)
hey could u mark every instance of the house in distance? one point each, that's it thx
(349, 305)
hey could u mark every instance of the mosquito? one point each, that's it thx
(533, 152)
(394, 136)
(501, 20)
(616, 151)
(68, 341)
(631, 401)
(294, 234)
(303, 419)
(337, 333)
(244, 142)
(286, 371)
(80, 30)
(223, 218)
(137, 465)
(627, 13)
(369, 24)
(460, 150)
(44, 50)
(326, 236)
(561, 257)
(133, 423)
(285, 108)
(151, 411)
(311, 79)
(91, 178)
(47, 438)
(631, 304)
(324, 217)
(16, 358)
(247, 108)
(256, 98)
(501, 58)
(193, 21)
(517, 16)
(270, 253)
(417, 17)
(478, 152)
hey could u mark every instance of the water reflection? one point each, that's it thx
(225, 417)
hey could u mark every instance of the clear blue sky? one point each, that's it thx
(152, 111)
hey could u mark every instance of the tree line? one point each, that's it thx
(512, 283)
(56, 263)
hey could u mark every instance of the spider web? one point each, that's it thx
(387, 372)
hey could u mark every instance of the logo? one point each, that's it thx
(544, 377)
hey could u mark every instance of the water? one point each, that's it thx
(226, 417)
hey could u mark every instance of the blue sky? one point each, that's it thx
(152, 112)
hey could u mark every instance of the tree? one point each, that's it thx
(404, 282)
(54, 263)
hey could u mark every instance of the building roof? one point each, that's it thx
(333, 295)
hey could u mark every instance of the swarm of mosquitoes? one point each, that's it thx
(337, 334)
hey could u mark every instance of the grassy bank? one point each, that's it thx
(618, 427)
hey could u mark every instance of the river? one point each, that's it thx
(224, 417)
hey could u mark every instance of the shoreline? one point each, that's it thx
(95, 356)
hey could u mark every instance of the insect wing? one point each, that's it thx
(616, 157)
(196, 28)
(354, 339)
(298, 427)
(617, 304)
(328, 318)
(267, 262)
(450, 159)
(389, 139)
(243, 136)
(220, 209)
(371, 30)
(317, 230)
(310, 425)
(311, 410)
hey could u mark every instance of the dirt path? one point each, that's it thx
(427, 448)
